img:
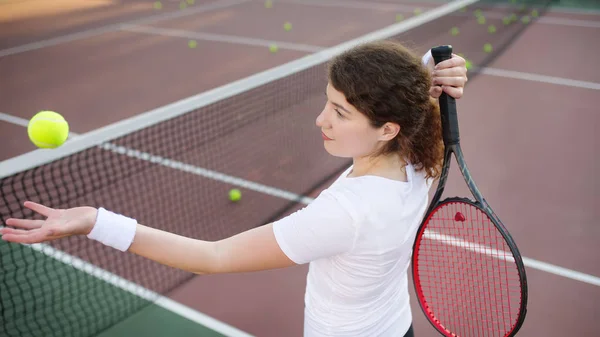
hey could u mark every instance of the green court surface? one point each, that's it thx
(155, 321)
(44, 275)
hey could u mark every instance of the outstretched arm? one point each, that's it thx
(253, 250)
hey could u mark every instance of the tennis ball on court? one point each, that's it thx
(48, 130)
(192, 44)
(513, 17)
(182, 5)
(506, 20)
(487, 47)
(454, 31)
(287, 26)
(477, 12)
(491, 29)
(235, 194)
(535, 13)
(268, 4)
(191, 2)
(157, 5)
(481, 20)
(526, 19)
(273, 48)
(399, 17)
(418, 11)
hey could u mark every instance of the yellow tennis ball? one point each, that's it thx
(287, 26)
(418, 11)
(273, 48)
(487, 47)
(235, 194)
(454, 31)
(399, 17)
(468, 64)
(192, 44)
(48, 130)
(268, 4)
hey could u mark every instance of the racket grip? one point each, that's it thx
(447, 103)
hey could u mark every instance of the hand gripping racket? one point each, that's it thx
(468, 273)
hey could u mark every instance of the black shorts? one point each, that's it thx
(410, 332)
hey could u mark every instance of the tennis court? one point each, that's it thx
(162, 129)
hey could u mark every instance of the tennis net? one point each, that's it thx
(171, 169)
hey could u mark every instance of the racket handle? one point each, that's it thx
(447, 103)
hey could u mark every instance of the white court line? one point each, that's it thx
(280, 193)
(507, 256)
(24, 122)
(570, 22)
(115, 27)
(221, 38)
(353, 4)
(539, 78)
(137, 290)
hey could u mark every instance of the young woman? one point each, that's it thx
(357, 235)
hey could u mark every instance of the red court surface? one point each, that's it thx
(529, 144)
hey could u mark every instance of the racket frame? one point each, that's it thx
(451, 138)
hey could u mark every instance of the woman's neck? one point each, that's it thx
(387, 166)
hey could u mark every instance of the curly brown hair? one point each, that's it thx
(387, 82)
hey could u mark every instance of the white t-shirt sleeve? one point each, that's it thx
(324, 228)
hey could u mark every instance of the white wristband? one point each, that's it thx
(425, 59)
(113, 230)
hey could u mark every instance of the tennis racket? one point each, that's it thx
(467, 271)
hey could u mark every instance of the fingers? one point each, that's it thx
(450, 81)
(453, 91)
(435, 92)
(455, 61)
(23, 236)
(450, 72)
(38, 208)
(25, 223)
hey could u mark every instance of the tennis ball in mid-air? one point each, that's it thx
(48, 130)
(454, 31)
(487, 47)
(273, 48)
(287, 26)
(235, 194)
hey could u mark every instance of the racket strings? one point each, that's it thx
(467, 274)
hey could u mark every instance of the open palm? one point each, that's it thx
(59, 223)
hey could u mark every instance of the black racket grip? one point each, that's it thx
(447, 103)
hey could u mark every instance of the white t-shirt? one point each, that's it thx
(357, 237)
